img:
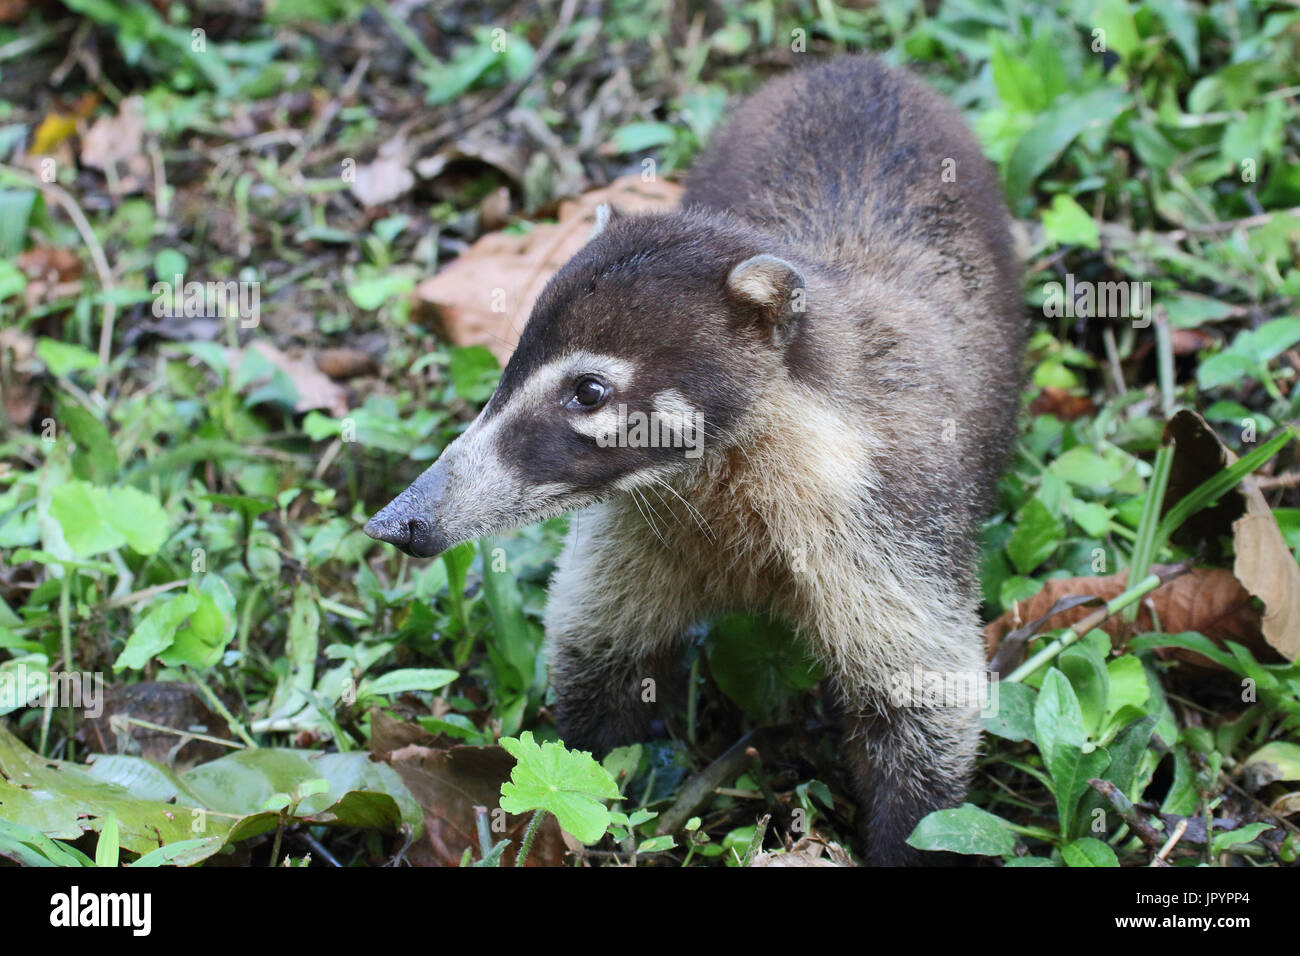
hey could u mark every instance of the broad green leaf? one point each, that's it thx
(1037, 534)
(758, 662)
(1067, 224)
(63, 358)
(1088, 851)
(638, 137)
(1088, 676)
(1054, 130)
(1014, 719)
(106, 849)
(409, 679)
(569, 784)
(1231, 838)
(966, 829)
(155, 633)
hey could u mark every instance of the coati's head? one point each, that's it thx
(640, 359)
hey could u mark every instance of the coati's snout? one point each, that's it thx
(413, 520)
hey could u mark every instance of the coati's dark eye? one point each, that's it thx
(589, 392)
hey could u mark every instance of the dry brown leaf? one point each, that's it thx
(1208, 600)
(807, 852)
(315, 390)
(1264, 564)
(345, 362)
(1061, 403)
(508, 272)
(449, 784)
(116, 144)
(20, 387)
(114, 139)
(387, 177)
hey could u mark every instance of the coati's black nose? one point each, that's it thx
(410, 520)
(415, 536)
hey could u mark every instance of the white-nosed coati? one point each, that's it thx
(838, 302)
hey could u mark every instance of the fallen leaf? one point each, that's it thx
(114, 138)
(1061, 403)
(54, 129)
(486, 294)
(386, 177)
(345, 362)
(1208, 600)
(163, 703)
(20, 387)
(807, 852)
(114, 144)
(315, 390)
(1263, 564)
(448, 784)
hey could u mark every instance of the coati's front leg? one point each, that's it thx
(907, 762)
(910, 678)
(617, 608)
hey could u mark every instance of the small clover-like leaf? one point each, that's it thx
(570, 784)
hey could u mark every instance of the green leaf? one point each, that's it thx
(569, 784)
(409, 679)
(1231, 838)
(1054, 130)
(1058, 724)
(1083, 466)
(637, 137)
(1275, 761)
(106, 849)
(1088, 851)
(62, 358)
(656, 844)
(1067, 224)
(155, 633)
(95, 520)
(758, 662)
(1121, 32)
(474, 372)
(1014, 718)
(966, 829)
(95, 458)
(1037, 534)
(15, 212)
(1091, 682)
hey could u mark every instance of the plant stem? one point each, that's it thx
(1145, 546)
(533, 826)
(216, 704)
(65, 635)
(1070, 636)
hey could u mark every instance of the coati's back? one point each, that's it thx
(870, 173)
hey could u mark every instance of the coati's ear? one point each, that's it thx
(605, 214)
(775, 288)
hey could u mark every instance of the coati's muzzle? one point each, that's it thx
(410, 520)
